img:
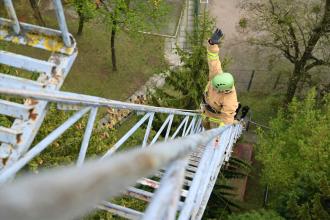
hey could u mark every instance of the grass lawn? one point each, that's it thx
(138, 59)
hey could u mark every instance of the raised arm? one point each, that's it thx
(213, 54)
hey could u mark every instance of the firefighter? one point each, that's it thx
(220, 100)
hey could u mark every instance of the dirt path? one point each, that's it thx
(245, 57)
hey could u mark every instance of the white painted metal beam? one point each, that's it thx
(26, 63)
(19, 83)
(9, 136)
(15, 110)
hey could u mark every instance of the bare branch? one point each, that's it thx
(317, 62)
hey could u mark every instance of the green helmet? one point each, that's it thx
(223, 82)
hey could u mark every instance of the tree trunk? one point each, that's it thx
(293, 83)
(81, 24)
(113, 49)
(36, 13)
(277, 80)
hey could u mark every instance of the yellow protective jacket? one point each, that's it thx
(225, 103)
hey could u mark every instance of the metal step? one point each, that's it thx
(9, 136)
(26, 63)
(139, 194)
(120, 210)
(143, 195)
(188, 174)
(19, 83)
(15, 110)
(155, 185)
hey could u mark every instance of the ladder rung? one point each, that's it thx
(186, 174)
(17, 82)
(120, 210)
(196, 154)
(191, 168)
(9, 136)
(139, 194)
(15, 110)
(144, 195)
(195, 159)
(155, 185)
(26, 63)
(192, 162)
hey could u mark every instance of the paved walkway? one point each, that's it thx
(186, 26)
(245, 57)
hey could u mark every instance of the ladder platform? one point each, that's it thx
(36, 36)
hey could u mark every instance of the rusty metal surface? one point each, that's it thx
(35, 36)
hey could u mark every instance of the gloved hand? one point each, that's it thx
(235, 122)
(215, 39)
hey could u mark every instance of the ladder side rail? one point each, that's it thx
(202, 178)
(202, 170)
(92, 182)
(217, 162)
(80, 99)
(164, 204)
(210, 187)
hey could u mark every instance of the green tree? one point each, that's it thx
(223, 198)
(185, 85)
(132, 15)
(298, 29)
(295, 158)
(86, 10)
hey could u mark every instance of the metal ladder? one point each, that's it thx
(180, 188)
(29, 115)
